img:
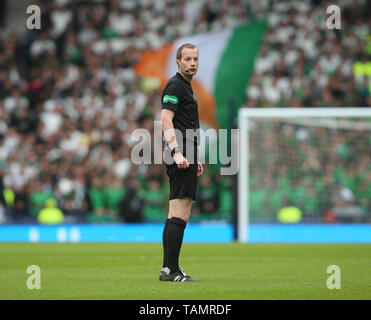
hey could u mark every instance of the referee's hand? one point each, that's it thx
(181, 161)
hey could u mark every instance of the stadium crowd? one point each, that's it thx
(69, 100)
(322, 170)
(302, 63)
(69, 97)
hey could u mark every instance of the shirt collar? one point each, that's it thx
(182, 78)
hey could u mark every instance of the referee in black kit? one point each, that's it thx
(179, 117)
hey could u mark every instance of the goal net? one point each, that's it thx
(304, 166)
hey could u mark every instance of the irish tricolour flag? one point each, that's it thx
(226, 61)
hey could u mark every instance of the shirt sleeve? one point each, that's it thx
(171, 97)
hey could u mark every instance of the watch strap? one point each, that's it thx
(175, 150)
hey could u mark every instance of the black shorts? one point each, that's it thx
(183, 182)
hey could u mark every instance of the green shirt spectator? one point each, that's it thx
(226, 197)
(258, 199)
(97, 196)
(38, 197)
(154, 202)
(347, 181)
(297, 194)
(276, 199)
(114, 194)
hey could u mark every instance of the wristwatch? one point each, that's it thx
(175, 150)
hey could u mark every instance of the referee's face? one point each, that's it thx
(188, 63)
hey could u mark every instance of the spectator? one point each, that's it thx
(132, 205)
(3, 204)
(96, 196)
(114, 193)
(154, 198)
(20, 211)
(51, 214)
(38, 197)
(208, 195)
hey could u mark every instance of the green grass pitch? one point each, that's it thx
(226, 271)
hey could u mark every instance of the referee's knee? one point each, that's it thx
(178, 215)
(180, 208)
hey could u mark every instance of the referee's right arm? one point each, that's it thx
(170, 137)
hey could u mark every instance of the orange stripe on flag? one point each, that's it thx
(154, 63)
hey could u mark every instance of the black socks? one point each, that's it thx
(172, 239)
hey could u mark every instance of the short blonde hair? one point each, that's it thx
(180, 49)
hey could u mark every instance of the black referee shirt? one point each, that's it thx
(178, 97)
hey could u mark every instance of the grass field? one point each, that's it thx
(226, 271)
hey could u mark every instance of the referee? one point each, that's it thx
(179, 117)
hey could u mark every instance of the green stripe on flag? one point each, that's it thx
(235, 69)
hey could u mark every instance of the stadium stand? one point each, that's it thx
(69, 97)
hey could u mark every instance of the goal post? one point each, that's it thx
(293, 115)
